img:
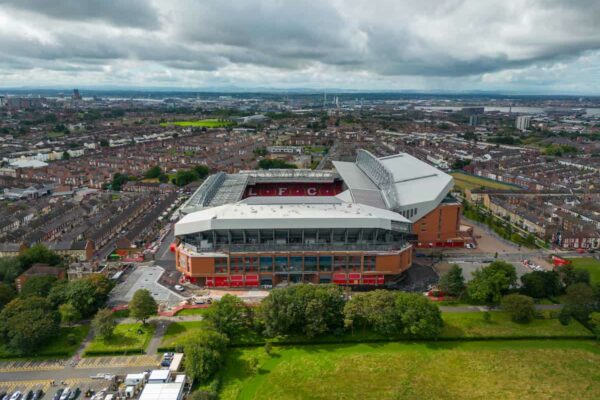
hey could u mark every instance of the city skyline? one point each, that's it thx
(451, 46)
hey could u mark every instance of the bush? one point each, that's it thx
(521, 308)
(564, 316)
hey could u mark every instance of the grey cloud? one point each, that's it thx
(125, 13)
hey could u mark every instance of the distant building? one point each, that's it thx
(523, 122)
(473, 120)
(76, 95)
(469, 111)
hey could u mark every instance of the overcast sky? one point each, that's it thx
(541, 46)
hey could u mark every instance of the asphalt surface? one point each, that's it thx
(144, 277)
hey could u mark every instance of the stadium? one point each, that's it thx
(354, 225)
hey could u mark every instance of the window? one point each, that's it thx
(310, 263)
(354, 263)
(251, 264)
(266, 264)
(295, 264)
(281, 264)
(325, 263)
(369, 263)
(221, 265)
(339, 264)
(237, 264)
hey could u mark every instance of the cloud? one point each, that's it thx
(347, 43)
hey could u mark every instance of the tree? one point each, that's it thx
(490, 283)
(25, 324)
(453, 281)
(580, 300)
(37, 286)
(118, 181)
(81, 294)
(183, 177)
(204, 354)
(375, 310)
(307, 309)
(521, 308)
(10, 268)
(153, 172)
(268, 163)
(104, 323)
(104, 143)
(58, 293)
(419, 317)
(569, 275)
(228, 315)
(142, 305)
(202, 171)
(540, 284)
(68, 313)
(38, 254)
(66, 155)
(7, 293)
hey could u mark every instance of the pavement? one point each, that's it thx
(144, 277)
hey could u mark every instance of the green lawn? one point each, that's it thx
(125, 340)
(192, 311)
(472, 325)
(400, 370)
(64, 345)
(589, 264)
(466, 181)
(202, 123)
(178, 330)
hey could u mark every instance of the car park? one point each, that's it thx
(16, 395)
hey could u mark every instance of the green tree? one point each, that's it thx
(118, 181)
(142, 305)
(453, 281)
(580, 300)
(419, 317)
(58, 293)
(184, 177)
(153, 172)
(228, 315)
(521, 308)
(104, 323)
(204, 354)
(81, 294)
(10, 269)
(374, 310)
(268, 163)
(37, 286)
(25, 324)
(307, 309)
(7, 293)
(38, 254)
(68, 313)
(490, 283)
(66, 155)
(202, 171)
(540, 284)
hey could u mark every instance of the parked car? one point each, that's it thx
(74, 394)
(179, 288)
(29, 395)
(38, 394)
(65, 394)
(16, 395)
(2, 394)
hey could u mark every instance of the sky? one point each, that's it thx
(526, 46)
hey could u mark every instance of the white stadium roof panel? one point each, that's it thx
(245, 216)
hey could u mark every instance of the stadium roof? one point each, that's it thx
(399, 182)
(286, 216)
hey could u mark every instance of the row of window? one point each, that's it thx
(409, 213)
(294, 263)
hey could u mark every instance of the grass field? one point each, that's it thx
(191, 311)
(178, 330)
(466, 181)
(472, 325)
(445, 370)
(60, 346)
(125, 340)
(589, 264)
(202, 123)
